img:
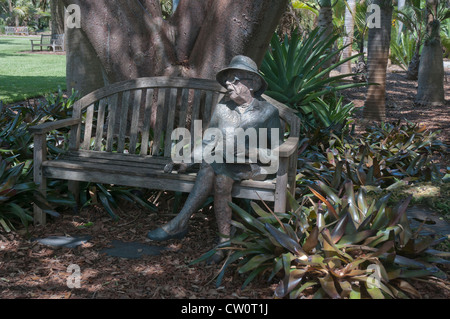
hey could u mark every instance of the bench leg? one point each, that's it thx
(40, 151)
(40, 218)
(74, 189)
(281, 186)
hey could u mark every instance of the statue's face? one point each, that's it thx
(240, 86)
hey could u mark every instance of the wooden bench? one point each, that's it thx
(55, 42)
(17, 30)
(121, 134)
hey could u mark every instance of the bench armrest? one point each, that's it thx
(50, 126)
(288, 147)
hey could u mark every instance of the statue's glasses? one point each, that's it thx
(237, 79)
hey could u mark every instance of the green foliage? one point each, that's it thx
(343, 225)
(108, 197)
(331, 112)
(296, 72)
(402, 51)
(333, 249)
(17, 190)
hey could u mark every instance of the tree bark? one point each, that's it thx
(130, 39)
(84, 71)
(57, 13)
(325, 22)
(413, 68)
(348, 38)
(377, 60)
(431, 68)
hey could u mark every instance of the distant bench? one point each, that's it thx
(17, 30)
(56, 42)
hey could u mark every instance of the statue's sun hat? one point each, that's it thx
(246, 64)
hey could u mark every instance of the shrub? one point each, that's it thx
(343, 225)
(297, 72)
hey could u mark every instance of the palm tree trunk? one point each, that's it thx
(325, 23)
(413, 67)
(378, 55)
(431, 69)
(348, 38)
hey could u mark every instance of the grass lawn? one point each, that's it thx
(24, 76)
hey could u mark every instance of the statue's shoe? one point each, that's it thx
(160, 234)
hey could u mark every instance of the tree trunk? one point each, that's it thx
(377, 60)
(130, 39)
(325, 21)
(57, 13)
(84, 71)
(413, 68)
(348, 38)
(431, 68)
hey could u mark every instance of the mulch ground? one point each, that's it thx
(30, 270)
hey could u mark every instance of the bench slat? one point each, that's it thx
(123, 121)
(135, 121)
(112, 111)
(184, 108)
(147, 121)
(100, 125)
(88, 128)
(144, 170)
(159, 120)
(171, 114)
(242, 190)
(118, 156)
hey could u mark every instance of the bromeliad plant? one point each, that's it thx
(384, 157)
(18, 193)
(340, 247)
(343, 240)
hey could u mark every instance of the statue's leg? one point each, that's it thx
(177, 228)
(222, 197)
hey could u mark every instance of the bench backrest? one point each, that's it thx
(22, 30)
(16, 30)
(138, 116)
(46, 39)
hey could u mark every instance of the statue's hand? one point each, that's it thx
(179, 167)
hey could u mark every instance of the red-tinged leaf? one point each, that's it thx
(327, 284)
(329, 206)
(400, 211)
(356, 238)
(286, 241)
(339, 229)
(312, 240)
